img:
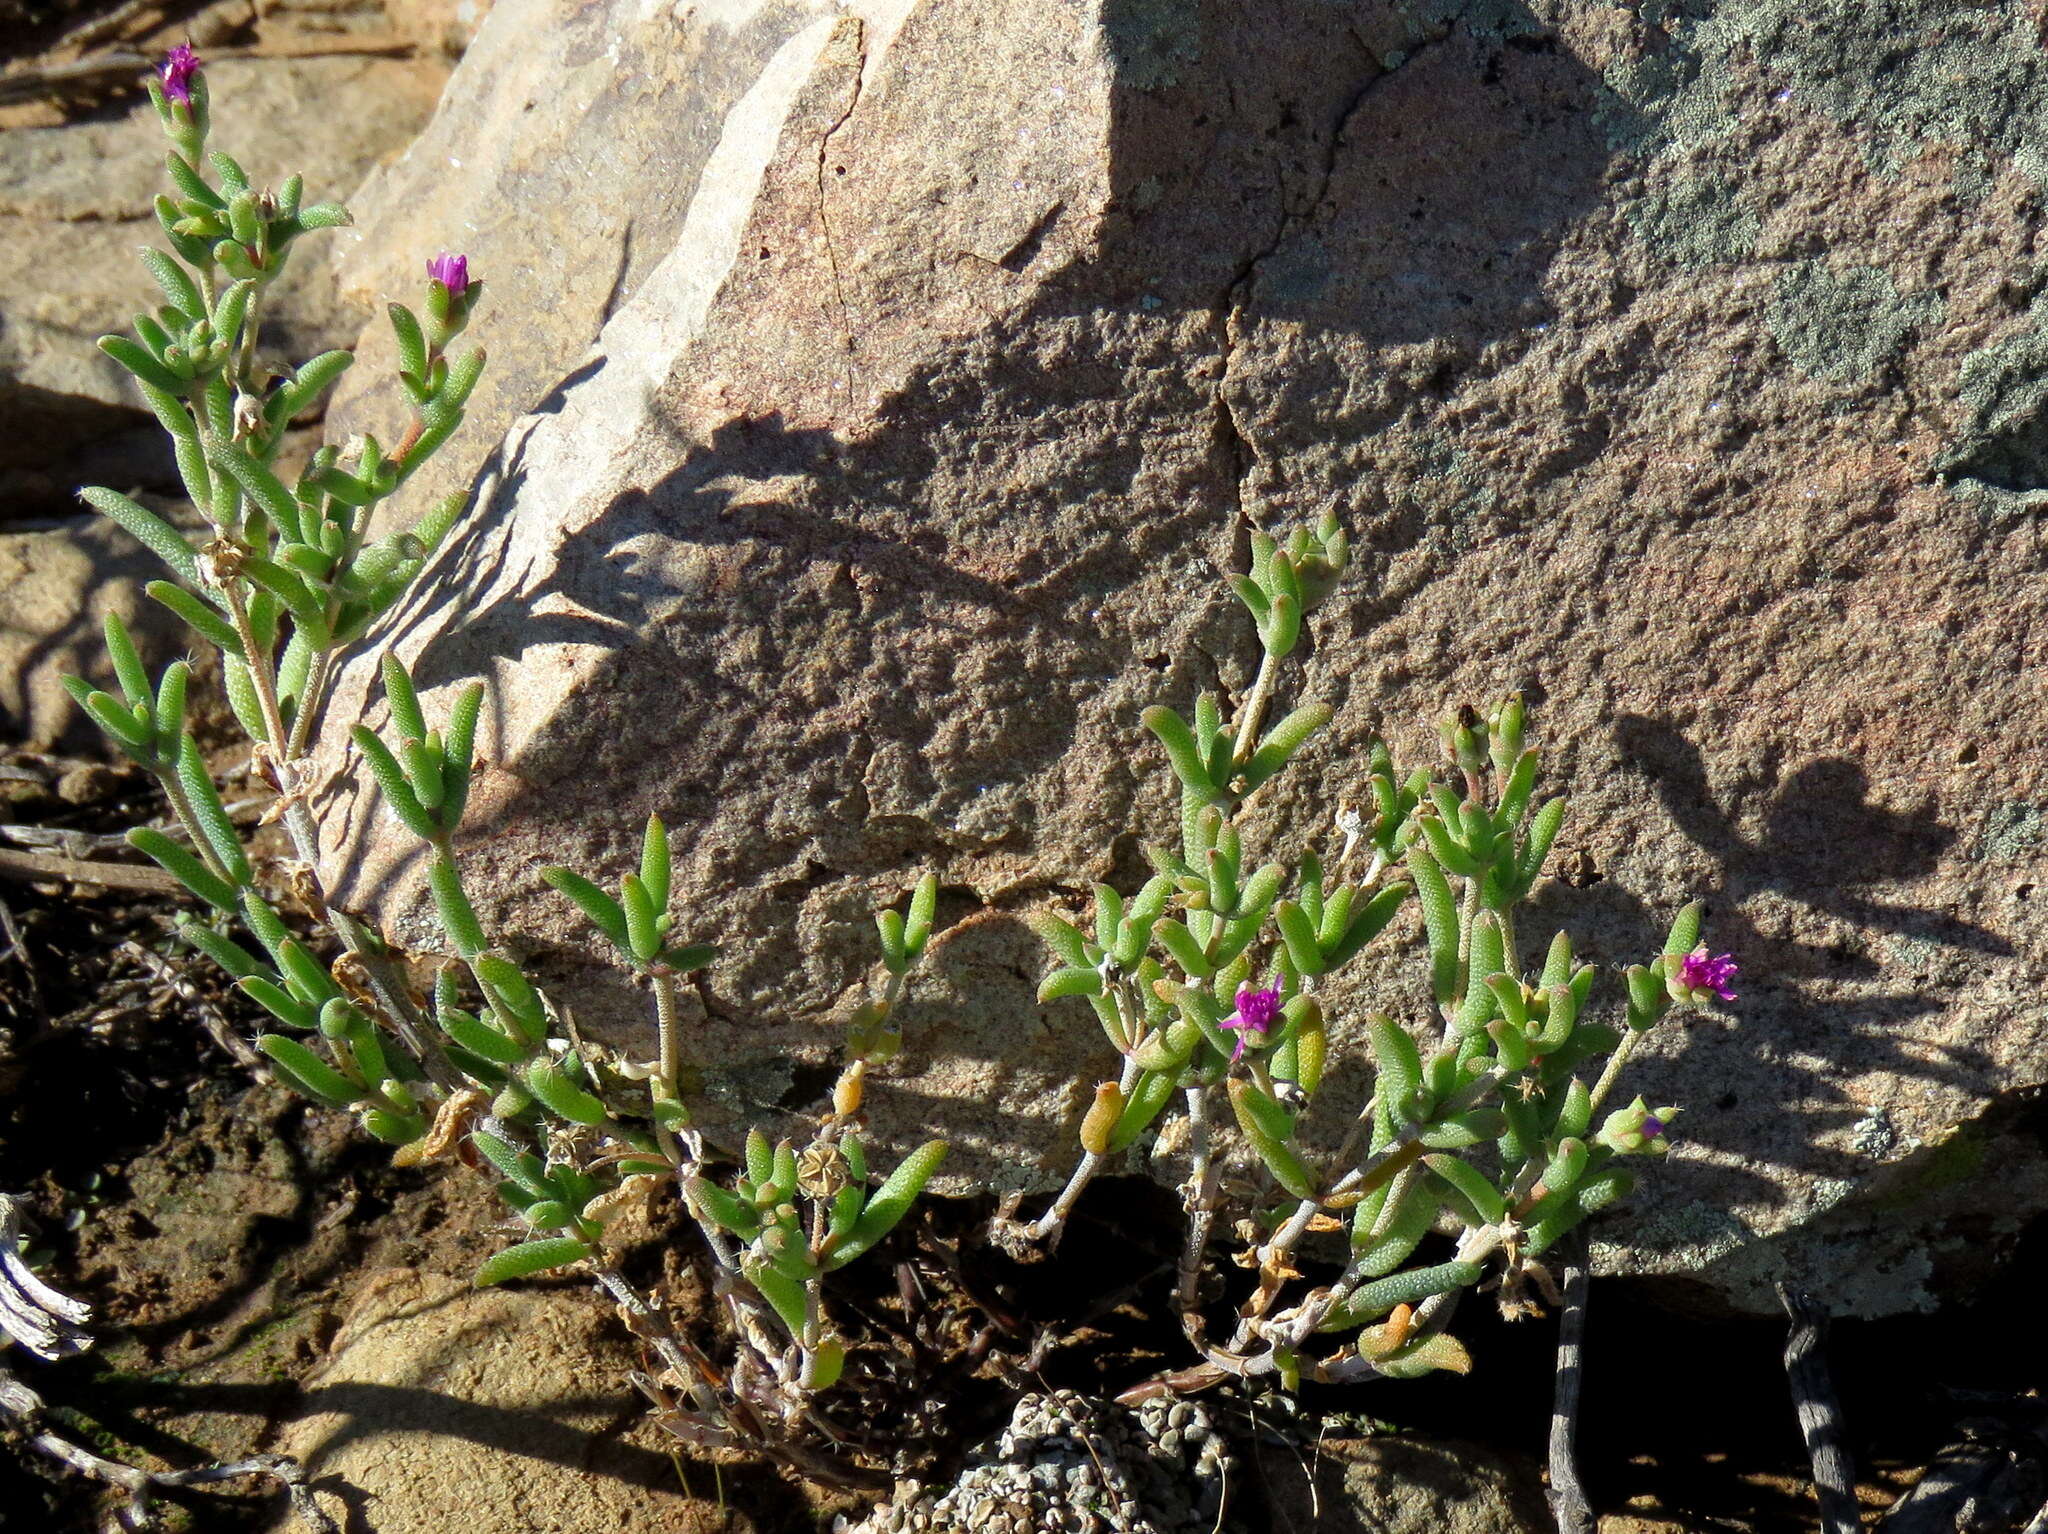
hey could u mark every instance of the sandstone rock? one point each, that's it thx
(1682, 373)
(1400, 1486)
(57, 584)
(449, 1407)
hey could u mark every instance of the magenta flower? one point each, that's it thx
(452, 272)
(1697, 972)
(1255, 1013)
(177, 70)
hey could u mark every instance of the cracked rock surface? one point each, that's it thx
(878, 386)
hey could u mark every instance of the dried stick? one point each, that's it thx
(26, 1407)
(49, 866)
(1568, 1504)
(215, 1022)
(1820, 1414)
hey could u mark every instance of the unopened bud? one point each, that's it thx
(1637, 1130)
(1101, 1119)
(1461, 740)
(847, 1091)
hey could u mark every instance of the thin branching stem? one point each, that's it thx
(1253, 714)
(1049, 1225)
(383, 977)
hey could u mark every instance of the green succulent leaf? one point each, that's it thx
(531, 1257)
(308, 1073)
(603, 911)
(1368, 1302)
(458, 916)
(197, 615)
(149, 529)
(891, 1202)
(1181, 751)
(1072, 981)
(397, 789)
(1439, 921)
(553, 1089)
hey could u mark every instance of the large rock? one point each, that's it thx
(1680, 369)
(442, 1406)
(58, 582)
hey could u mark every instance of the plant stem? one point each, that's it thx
(181, 803)
(1253, 714)
(1201, 1207)
(1049, 1224)
(669, 1067)
(1615, 1062)
(309, 701)
(386, 982)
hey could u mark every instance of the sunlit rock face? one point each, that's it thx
(877, 388)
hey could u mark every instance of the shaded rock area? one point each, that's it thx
(1402, 1486)
(1670, 365)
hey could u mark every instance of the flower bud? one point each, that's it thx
(1461, 740)
(1637, 1130)
(847, 1092)
(1101, 1119)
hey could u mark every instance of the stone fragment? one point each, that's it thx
(1400, 1485)
(444, 1406)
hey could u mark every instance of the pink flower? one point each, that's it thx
(1697, 972)
(177, 70)
(1255, 1013)
(452, 272)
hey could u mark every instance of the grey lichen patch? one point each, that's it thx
(1843, 325)
(1452, 483)
(2002, 394)
(1700, 222)
(2012, 831)
(1152, 41)
(1900, 74)
(1701, 1233)
(1874, 1136)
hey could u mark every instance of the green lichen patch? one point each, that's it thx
(2002, 395)
(2012, 831)
(1900, 74)
(1408, 24)
(1896, 76)
(1843, 325)
(1696, 222)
